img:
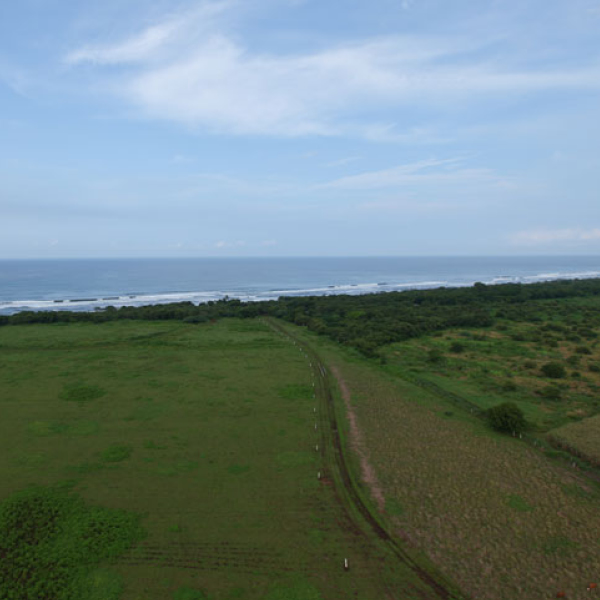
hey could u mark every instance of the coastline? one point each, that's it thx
(85, 286)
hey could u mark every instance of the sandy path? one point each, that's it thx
(357, 443)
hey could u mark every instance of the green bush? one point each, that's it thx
(506, 417)
(82, 393)
(117, 453)
(51, 541)
(435, 356)
(551, 392)
(186, 593)
(554, 370)
(457, 347)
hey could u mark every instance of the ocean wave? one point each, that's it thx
(100, 302)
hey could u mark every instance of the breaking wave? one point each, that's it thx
(90, 303)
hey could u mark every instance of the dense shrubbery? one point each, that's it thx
(370, 321)
(506, 417)
(51, 540)
(554, 370)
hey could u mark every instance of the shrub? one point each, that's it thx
(506, 417)
(185, 593)
(117, 453)
(457, 347)
(196, 319)
(435, 356)
(554, 370)
(529, 364)
(552, 392)
(81, 393)
(594, 368)
(51, 541)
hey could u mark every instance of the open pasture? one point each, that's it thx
(495, 513)
(206, 433)
(582, 438)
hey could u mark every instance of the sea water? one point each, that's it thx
(90, 284)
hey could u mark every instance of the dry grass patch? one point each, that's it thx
(581, 438)
(490, 511)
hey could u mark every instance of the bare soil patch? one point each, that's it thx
(357, 443)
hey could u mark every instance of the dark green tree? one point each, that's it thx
(506, 417)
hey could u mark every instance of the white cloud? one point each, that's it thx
(388, 133)
(445, 171)
(402, 206)
(135, 49)
(221, 244)
(341, 162)
(150, 43)
(549, 236)
(189, 69)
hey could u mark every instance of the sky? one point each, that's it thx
(146, 128)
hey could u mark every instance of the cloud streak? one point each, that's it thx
(191, 70)
(431, 171)
(537, 237)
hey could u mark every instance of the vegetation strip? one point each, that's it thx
(441, 587)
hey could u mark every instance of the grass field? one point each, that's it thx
(504, 520)
(583, 438)
(506, 362)
(206, 433)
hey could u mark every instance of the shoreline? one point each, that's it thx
(133, 301)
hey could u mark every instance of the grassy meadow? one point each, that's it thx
(198, 442)
(507, 362)
(493, 511)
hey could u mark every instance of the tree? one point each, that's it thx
(507, 417)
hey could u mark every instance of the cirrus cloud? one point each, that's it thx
(191, 69)
(551, 236)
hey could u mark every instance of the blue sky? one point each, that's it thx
(299, 127)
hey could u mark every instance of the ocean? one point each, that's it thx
(90, 284)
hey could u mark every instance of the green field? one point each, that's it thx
(247, 458)
(203, 433)
(500, 516)
(505, 363)
(581, 438)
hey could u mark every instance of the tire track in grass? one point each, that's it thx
(440, 587)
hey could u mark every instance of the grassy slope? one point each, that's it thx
(487, 509)
(583, 438)
(208, 432)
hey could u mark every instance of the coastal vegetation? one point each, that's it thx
(455, 427)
